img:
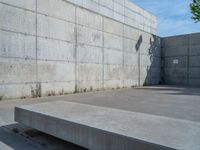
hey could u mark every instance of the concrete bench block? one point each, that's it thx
(100, 128)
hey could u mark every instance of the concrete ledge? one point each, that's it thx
(100, 128)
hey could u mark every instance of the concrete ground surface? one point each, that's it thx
(174, 102)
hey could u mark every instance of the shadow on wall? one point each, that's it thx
(149, 61)
(137, 47)
(138, 44)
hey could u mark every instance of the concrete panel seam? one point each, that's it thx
(17, 83)
(36, 38)
(188, 59)
(103, 51)
(75, 51)
(17, 7)
(5, 30)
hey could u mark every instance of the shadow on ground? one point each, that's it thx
(175, 90)
(17, 137)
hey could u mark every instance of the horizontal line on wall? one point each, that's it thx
(143, 54)
(36, 82)
(194, 67)
(20, 58)
(26, 9)
(114, 79)
(79, 62)
(175, 67)
(50, 82)
(170, 57)
(16, 32)
(175, 77)
(180, 46)
(46, 82)
(180, 56)
(59, 60)
(61, 40)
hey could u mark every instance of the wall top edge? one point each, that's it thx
(147, 11)
(181, 35)
(124, 11)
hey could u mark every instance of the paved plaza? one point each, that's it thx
(163, 101)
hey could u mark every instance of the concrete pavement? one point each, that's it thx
(173, 102)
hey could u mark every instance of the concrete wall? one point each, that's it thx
(124, 11)
(53, 47)
(181, 57)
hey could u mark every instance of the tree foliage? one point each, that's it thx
(195, 10)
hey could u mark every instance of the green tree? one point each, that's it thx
(195, 10)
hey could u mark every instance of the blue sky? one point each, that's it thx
(174, 17)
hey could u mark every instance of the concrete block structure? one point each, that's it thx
(55, 47)
(100, 128)
(181, 57)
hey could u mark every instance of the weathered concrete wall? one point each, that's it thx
(123, 11)
(50, 47)
(181, 57)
